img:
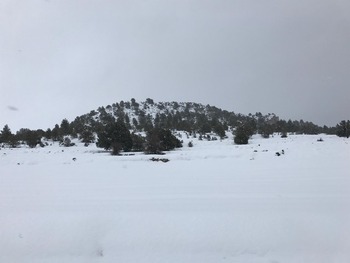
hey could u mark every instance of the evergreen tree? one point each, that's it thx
(138, 143)
(219, 129)
(127, 121)
(48, 134)
(135, 123)
(142, 120)
(8, 138)
(22, 134)
(149, 101)
(13, 141)
(133, 102)
(149, 123)
(32, 138)
(159, 140)
(87, 136)
(65, 127)
(6, 135)
(242, 134)
(266, 130)
(115, 136)
(343, 129)
(250, 127)
(56, 133)
(205, 127)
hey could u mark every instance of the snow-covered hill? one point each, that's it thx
(171, 115)
(188, 116)
(215, 202)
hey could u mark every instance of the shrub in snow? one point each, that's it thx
(190, 144)
(67, 142)
(265, 135)
(241, 135)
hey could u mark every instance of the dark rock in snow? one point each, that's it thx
(164, 160)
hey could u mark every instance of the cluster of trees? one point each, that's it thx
(245, 130)
(114, 136)
(30, 137)
(126, 118)
(117, 137)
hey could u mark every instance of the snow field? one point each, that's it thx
(215, 202)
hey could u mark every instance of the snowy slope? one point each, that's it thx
(215, 202)
(151, 110)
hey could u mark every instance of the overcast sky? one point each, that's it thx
(62, 58)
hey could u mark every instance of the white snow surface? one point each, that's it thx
(215, 202)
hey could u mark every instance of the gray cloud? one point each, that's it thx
(63, 58)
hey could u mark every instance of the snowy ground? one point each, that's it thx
(215, 202)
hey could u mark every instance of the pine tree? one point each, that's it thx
(242, 135)
(115, 136)
(266, 130)
(56, 133)
(32, 139)
(87, 136)
(219, 130)
(5, 134)
(159, 140)
(343, 129)
(48, 133)
(138, 143)
(65, 127)
(7, 137)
